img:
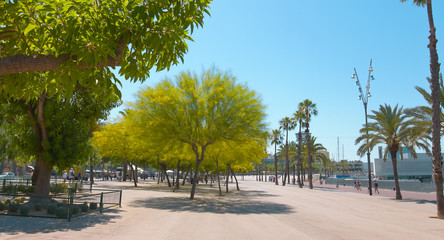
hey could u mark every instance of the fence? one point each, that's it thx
(64, 205)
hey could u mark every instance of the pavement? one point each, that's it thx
(260, 210)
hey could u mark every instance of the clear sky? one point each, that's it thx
(291, 50)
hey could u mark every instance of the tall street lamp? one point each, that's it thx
(364, 98)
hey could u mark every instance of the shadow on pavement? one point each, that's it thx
(212, 205)
(18, 225)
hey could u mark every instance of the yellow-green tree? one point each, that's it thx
(114, 140)
(200, 111)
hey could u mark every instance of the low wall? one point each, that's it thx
(414, 186)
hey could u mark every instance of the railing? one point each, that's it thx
(59, 205)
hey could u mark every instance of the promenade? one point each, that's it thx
(260, 210)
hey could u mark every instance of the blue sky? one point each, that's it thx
(291, 50)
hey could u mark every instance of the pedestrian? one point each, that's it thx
(358, 185)
(71, 175)
(354, 184)
(64, 176)
(337, 184)
(376, 185)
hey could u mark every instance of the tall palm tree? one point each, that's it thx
(309, 109)
(286, 124)
(299, 117)
(436, 140)
(276, 138)
(421, 116)
(391, 127)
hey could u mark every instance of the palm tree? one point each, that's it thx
(436, 140)
(421, 116)
(391, 127)
(276, 138)
(309, 109)
(287, 124)
(299, 117)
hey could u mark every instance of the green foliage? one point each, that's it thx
(2, 206)
(75, 209)
(51, 209)
(61, 212)
(7, 201)
(93, 206)
(13, 207)
(24, 210)
(25, 189)
(38, 207)
(84, 207)
(86, 34)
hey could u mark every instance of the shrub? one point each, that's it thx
(2, 206)
(52, 208)
(61, 204)
(93, 206)
(59, 188)
(25, 189)
(61, 212)
(8, 189)
(64, 201)
(22, 199)
(24, 210)
(17, 200)
(13, 207)
(84, 208)
(85, 202)
(7, 201)
(75, 209)
(38, 207)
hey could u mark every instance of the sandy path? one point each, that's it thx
(260, 211)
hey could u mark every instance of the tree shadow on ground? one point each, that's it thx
(18, 225)
(219, 205)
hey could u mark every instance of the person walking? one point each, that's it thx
(375, 186)
(64, 176)
(71, 175)
(358, 185)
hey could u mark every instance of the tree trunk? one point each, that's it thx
(395, 176)
(199, 160)
(227, 176)
(299, 164)
(275, 166)
(43, 182)
(310, 169)
(166, 174)
(218, 177)
(287, 164)
(176, 186)
(134, 175)
(436, 113)
(186, 175)
(294, 174)
(125, 171)
(232, 173)
(91, 173)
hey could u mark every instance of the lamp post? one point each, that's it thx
(364, 98)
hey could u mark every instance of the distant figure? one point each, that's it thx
(376, 185)
(64, 176)
(71, 175)
(358, 185)
(337, 184)
(354, 184)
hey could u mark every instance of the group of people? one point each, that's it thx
(70, 176)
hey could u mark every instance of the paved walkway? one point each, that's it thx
(260, 210)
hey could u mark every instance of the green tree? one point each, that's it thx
(276, 139)
(309, 109)
(200, 111)
(286, 124)
(299, 117)
(390, 128)
(65, 36)
(436, 107)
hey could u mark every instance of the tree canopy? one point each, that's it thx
(200, 111)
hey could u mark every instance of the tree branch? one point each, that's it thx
(26, 63)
